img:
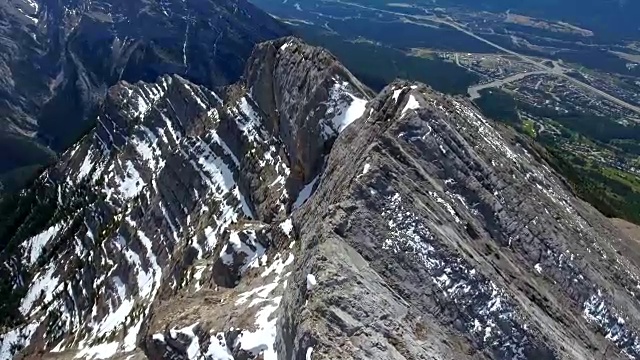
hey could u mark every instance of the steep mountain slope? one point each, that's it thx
(458, 243)
(176, 196)
(291, 216)
(59, 57)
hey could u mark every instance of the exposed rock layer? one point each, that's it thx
(290, 216)
(59, 57)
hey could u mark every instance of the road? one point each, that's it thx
(474, 91)
(556, 70)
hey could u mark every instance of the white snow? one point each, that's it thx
(132, 334)
(458, 281)
(217, 174)
(353, 112)
(101, 351)
(396, 94)
(366, 169)
(210, 235)
(224, 145)
(114, 320)
(249, 121)
(34, 5)
(194, 346)
(278, 266)
(412, 104)
(287, 226)
(195, 96)
(311, 281)
(121, 288)
(149, 288)
(132, 183)
(309, 352)
(60, 194)
(147, 147)
(43, 283)
(446, 205)
(218, 348)
(285, 46)
(261, 340)
(184, 46)
(17, 337)
(30, 17)
(538, 268)
(343, 108)
(305, 193)
(197, 276)
(251, 258)
(86, 167)
(36, 244)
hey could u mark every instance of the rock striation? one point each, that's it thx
(295, 215)
(59, 57)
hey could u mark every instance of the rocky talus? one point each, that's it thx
(294, 215)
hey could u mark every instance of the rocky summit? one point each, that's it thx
(296, 215)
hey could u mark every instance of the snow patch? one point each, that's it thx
(365, 170)
(285, 46)
(311, 281)
(261, 340)
(305, 193)
(218, 348)
(538, 268)
(248, 245)
(412, 104)
(36, 244)
(346, 113)
(132, 336)
(278, 265)
(101, 351)
(42, 287)
(86, 167)
(131, 185)
(287, 226)
(16, 339)
(396, 94)
(194, 346)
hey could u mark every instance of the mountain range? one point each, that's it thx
(295, 214)
(59, 57)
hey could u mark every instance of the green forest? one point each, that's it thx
(614, 192)
(376, 66)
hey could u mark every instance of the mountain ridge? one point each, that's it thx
(165, 160)
(60, 58)
(294, 216)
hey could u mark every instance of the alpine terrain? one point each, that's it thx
(296, 215)
(59, 57)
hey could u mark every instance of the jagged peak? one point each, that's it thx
(305, 57)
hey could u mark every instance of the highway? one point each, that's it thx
(559, 71)
(556, 70)
(474, 91)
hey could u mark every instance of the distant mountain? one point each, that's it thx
(59, 57)
(293, 215)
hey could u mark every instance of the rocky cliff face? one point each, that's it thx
(293, 216)
(59, 57)
(179, 199)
